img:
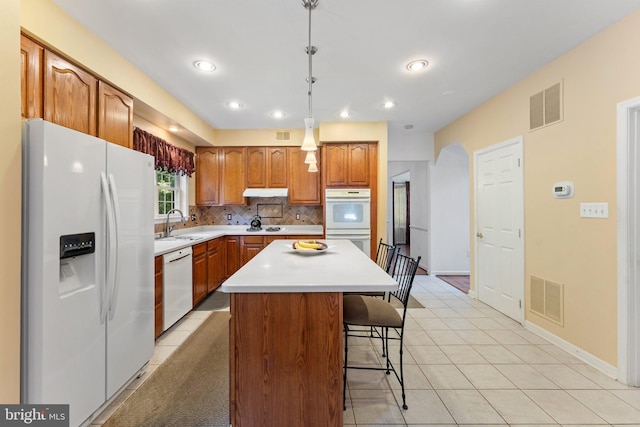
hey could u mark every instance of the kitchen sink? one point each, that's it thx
(182, 237)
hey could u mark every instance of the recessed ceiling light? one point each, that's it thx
(345, 114)
(234, 105)
(417, 65)
(203, 65)
(389, 104)
(278, 114)
(173, 128)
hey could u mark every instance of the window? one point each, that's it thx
(171, 193)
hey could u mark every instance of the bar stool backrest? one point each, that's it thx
(404, 271)
(385, 256)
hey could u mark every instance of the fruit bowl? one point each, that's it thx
(309, 247)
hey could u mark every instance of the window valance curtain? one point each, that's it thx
(170, 157)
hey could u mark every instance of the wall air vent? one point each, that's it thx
(547, 299)
(283, 135)
(545, 107)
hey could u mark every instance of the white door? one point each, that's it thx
(499, 259)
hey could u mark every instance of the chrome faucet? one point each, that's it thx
(167, 229)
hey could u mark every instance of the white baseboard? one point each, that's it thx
(472, 294)
(449, 273)
(586, 357)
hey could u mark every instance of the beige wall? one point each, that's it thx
(258, 137)
(50, 24)
(560, 246)
(10, 194)
(365, 131)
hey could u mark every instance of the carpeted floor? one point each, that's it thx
(190, 389)
(459, 282)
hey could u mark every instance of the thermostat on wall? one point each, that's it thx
(563, 190)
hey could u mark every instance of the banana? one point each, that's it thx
(309, 244)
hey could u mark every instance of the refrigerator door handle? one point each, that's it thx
(108, 277)
(114, 245)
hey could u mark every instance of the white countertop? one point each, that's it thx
(278, 268)
(204, 233)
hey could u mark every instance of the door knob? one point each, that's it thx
(480, 235)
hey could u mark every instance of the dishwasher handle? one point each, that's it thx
(178, 259)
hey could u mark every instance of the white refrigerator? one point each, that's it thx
(87, 273)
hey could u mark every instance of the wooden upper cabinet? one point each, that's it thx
(69, 95)
(267, 167)
(335, 161)
(257, 167)
(347, 165)
(207, 176)
(31, 56)
(115, 115)
(304, 186)
(234, 181)
(277, 167)
(358, 164)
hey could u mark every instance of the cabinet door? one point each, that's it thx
(69, 95)
(207, 176)
(304, 186)
(256, 167)
(234, 176)
(115, 115)
(215, 263)
(199, 273)
(232, 244)
(358, 164)
(336, 164)
(31, 57)
(277, 167)
(250, 247)
(158, 295)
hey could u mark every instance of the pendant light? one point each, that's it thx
(309, 142)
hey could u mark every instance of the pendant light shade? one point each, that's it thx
(309, 142)
(311, 157)
(313, 167)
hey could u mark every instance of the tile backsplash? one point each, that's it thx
(272, 210)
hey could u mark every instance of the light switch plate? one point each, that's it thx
(594, 210)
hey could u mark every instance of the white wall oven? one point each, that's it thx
(348, 216)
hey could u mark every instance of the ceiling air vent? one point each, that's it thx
(545, 107)
(283, 135)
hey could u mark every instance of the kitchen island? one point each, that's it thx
(285, 336)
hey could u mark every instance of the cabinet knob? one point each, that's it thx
(480, 235)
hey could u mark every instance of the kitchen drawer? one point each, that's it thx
(199, 249)
(253, 239)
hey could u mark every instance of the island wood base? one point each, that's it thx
(286, 359)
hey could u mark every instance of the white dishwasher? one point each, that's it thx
(177, 289)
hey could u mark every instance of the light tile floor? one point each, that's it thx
(467, 364)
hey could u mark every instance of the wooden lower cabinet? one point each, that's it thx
(250, 247)
(208, 268)
(158, 295)
(199, 273)
(285, 365)
(232, 244)
(216, 260)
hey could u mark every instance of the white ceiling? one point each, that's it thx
(476, 48)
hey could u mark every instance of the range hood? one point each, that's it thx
(265, 192)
